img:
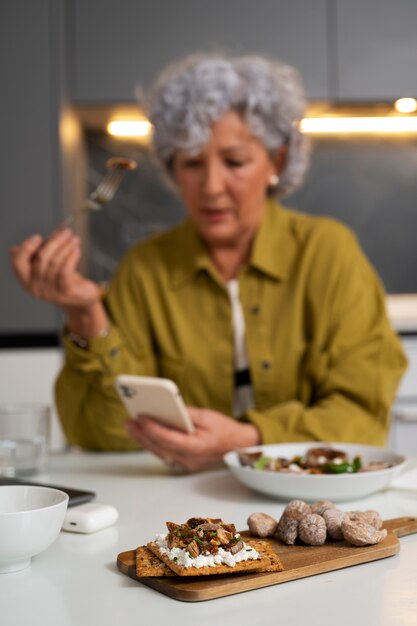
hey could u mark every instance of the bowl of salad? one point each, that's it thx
(315, 471)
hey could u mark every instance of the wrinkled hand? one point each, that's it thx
(46, 268)
(214, 435)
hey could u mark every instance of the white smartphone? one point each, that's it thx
(157, 397)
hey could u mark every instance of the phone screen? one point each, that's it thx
(76, 496)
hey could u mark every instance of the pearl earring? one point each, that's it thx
(274, 180)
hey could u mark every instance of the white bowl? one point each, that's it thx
(30, 520)
(310, 487)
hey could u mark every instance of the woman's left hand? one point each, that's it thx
(214, 435)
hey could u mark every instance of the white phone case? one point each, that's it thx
(158, 397)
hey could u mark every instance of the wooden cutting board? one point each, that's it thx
(299, 562)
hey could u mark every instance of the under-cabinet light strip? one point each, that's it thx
(308, 125)
(129, 128)
(333, 125)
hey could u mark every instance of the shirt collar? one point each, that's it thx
(273, 249)
(275, 245)
(191, 256)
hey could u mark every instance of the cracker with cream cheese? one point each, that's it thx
(268, 561)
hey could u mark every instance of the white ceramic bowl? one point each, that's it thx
(30, 520)
(310, 487)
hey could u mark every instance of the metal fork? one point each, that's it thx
(105, 190)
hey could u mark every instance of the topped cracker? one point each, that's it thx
(204, 546)
(267, 561)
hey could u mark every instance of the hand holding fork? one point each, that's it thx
(47, 268)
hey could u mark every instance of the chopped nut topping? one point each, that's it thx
(203, 536)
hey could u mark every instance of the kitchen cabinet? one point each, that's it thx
(118, 43)
(376, 49)
(29, 177)
(344, 49)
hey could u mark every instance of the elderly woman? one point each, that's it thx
(271, 322)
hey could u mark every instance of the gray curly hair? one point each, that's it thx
(194, 92)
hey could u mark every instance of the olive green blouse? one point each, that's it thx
(324, 360)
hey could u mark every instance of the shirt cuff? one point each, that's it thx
(273, 423)
(99, 354)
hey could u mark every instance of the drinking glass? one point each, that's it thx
(24, 438)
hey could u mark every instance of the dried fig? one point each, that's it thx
(312, 530)
(322, 505)
(367, 517)
(298, 505)
(262, 524)
(287, 529)
(361, 534)
(333, 519)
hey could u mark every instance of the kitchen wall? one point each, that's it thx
(30, 198)
(57, 54)
(54, 56)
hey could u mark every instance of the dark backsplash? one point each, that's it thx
(369, 184)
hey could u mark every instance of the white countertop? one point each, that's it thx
(76, 581)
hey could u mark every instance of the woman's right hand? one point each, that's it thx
(47, 269)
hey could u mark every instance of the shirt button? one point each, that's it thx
(114, 352)
(266, 365)
(256, 310)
